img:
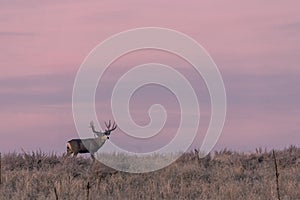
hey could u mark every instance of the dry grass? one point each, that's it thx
(228, 175)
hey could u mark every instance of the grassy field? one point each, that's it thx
(226, 175)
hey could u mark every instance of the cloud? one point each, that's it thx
(295, 25)
(35, 90)
(11, 33)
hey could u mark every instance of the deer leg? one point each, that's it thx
(93, 157)
(69, 153)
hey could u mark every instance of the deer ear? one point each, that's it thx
(98, 134)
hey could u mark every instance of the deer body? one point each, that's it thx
(90, 145)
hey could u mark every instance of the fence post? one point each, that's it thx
(88, 191)
(0, 171)
(277, 175)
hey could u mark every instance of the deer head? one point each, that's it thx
(109, 128)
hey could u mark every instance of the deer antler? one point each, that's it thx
(114, 126)
(93, 127)
(108, 125)
(91, 124)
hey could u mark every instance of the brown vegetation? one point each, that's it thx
(226, 175)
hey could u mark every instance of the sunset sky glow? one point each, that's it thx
(255, 44)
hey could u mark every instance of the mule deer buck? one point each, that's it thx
(90, 145)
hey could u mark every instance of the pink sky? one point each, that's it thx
(256, 45)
